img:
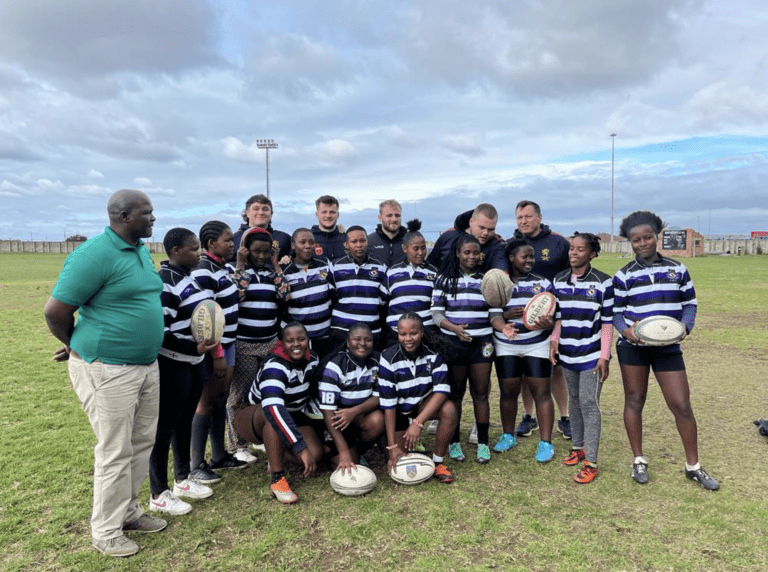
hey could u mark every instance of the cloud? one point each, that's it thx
(335, 151)
(463, 144)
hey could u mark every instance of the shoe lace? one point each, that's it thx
(640, 467)
(281, 486)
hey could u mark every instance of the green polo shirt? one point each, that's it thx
(116, 289)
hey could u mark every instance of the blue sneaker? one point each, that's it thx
(545, 452)
(483, 454)
(455, 452)
(505, 443)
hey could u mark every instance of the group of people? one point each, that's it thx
(337, 340)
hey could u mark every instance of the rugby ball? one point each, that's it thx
(353, 483)
(413, 469)
(207, 322)
(542, 304)
(496, 288)
(659, 331)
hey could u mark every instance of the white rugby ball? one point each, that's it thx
(412, 469)
(353, 483)
(496, 288)
(542, 304)
(659, 331)
(207, 322)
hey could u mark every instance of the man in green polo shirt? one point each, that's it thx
(112, 283)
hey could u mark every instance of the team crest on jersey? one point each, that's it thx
(591, 292)
(545, 253)
(672, 275)
(323, 274)
(374, 272)
(482, 257)
(375, 375)
(318, 250)
(430, 277)
(536, 289)
(487, 349)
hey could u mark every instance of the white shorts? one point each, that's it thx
(539, 349)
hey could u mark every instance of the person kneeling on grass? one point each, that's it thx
(414, 388)
(349, 398)
(276, 409)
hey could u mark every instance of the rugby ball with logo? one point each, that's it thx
(412, 469)
(207, 322)
(496, 288)
(542, 304)
(353, 483)
(659, 331)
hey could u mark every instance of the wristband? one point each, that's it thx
(218, 352)
(416, 421)
(391, 447)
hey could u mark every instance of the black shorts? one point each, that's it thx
(668, 358)
(479, 350)
(402, 422)
(512, 367)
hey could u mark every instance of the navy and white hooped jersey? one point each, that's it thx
(359, 292)
(347, 383)
(283, 388)
(181, 294)
(216, 278)
(405, 381)
(527, 286)
(663, 288)
(410, 290)
(467, 306)
(310, 299)
(258, 314)
(585, 304)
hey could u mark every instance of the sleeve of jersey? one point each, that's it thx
(606, 310)
(386, 383)
(204, 278)
(619, 295)
(688, 300)
(440, 382)
(272, 387)
(329, 387)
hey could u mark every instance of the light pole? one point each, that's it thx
(613, 148)
(266, 144)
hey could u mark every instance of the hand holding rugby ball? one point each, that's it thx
(412, 469)
(208, 322)
(353, 483)
(659, 331)
(542, 304)
(496, 288)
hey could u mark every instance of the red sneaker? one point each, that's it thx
(443, 475)
(574, 457)
(587, 474)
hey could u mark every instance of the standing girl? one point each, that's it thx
(521, 351)
(653, 285)
(582, 338)
(459, 309)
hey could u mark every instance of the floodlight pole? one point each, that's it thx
(266, 144)
(613, 148)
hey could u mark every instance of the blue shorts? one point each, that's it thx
(667, 358)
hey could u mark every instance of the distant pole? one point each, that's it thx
(266, 144)
(613, 148)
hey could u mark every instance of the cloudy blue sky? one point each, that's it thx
(440, 104)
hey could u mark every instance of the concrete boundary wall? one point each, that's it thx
(52, 247)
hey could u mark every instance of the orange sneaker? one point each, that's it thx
(443, 475)
(282, 492)
(574, 457)
(587, 473)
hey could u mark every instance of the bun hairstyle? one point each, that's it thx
(640, 218)
(413, 227)
(212, 230)
(592, 240)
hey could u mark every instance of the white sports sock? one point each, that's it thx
(641, 459)
(437, 460)
(695, 467)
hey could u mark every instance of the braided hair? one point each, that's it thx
(592, 240)
(432, 339)
(450, 269)
(211, 231)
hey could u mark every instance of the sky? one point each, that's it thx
(441, 105)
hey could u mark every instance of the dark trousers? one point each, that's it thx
(181, 385)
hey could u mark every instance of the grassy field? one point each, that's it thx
(512, 514)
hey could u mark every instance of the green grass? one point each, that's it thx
(512, 514)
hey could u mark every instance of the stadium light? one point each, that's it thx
(266, 144)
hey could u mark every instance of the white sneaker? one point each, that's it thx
(169, 503)
(258, 447)
(473, 434)
(245, 456)
(432, 427)
(192, 489)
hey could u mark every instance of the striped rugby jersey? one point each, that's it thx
(258, 313)
(310, 299)
(526, 287)
(585, 304)
(662, 288)
(410, 290)
(359, 292)
(215, 277)
(347, 383)
(404, 381)
(467, 307)
(283, 387)
(181, 294)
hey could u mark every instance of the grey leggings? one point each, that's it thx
(584, 405)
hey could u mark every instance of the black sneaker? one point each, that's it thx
(640, 472)
(702, 477)
(528, 425)
(228, 462)
(203, 474)
(564, 426)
